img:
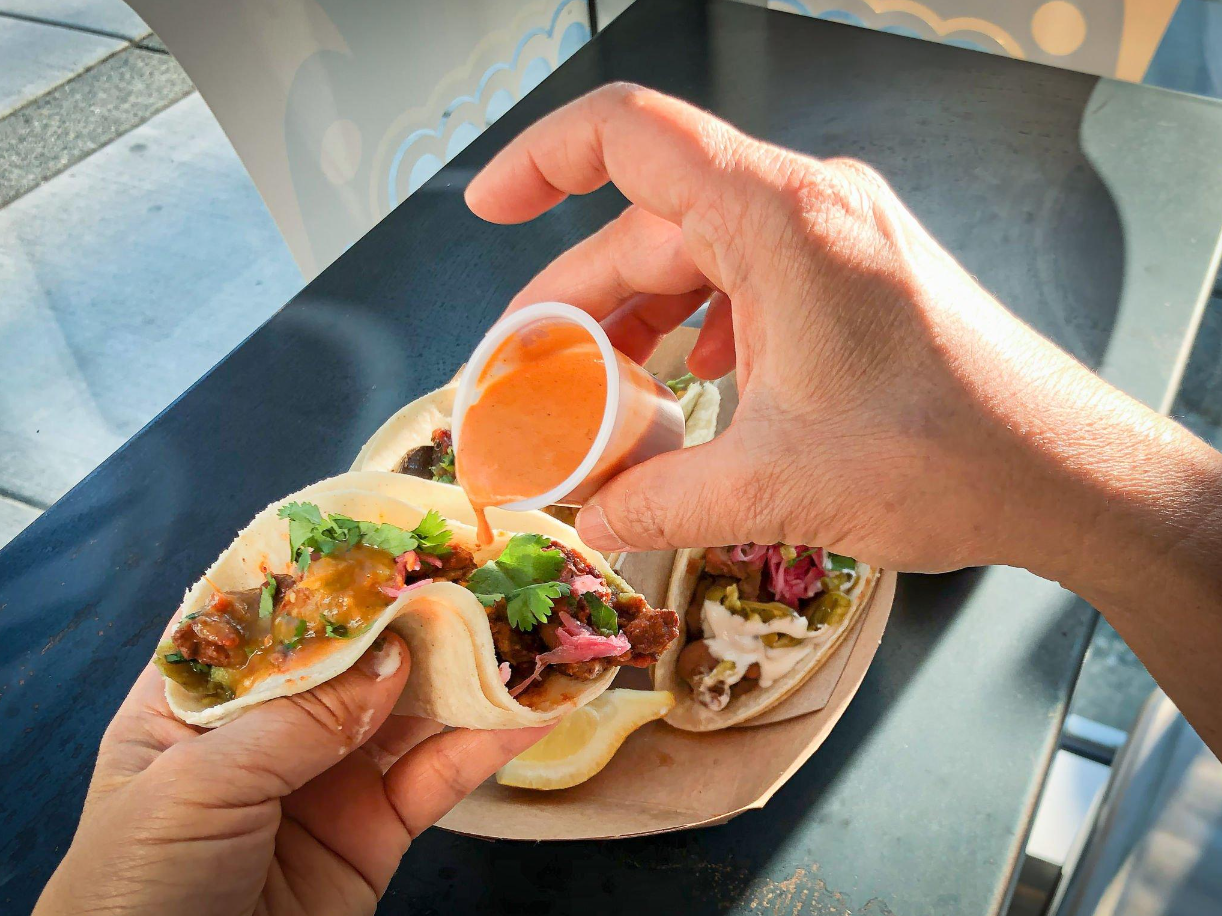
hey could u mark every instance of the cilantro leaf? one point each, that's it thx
(298, 635)
(530, 558)
(387, 537)
(525, 576)
(175, 658)
(604, 618)
(838, 563)
(532, 604)
(309, 531)
(490, 584)
(303, 518)
(266, 596)
(340, 630)
(432, 533)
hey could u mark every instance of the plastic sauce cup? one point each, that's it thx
(641, 417)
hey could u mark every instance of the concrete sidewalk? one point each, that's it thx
(134, 249)
(75, 75)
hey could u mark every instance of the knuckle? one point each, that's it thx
(845, 209)
(642, 519)
(858, 171)
(835, 189)
(627, 95)
(327, 709)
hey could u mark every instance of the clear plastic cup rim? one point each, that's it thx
(468, 388)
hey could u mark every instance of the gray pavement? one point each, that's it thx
(74, 74)
(39, 57)
(134, 250)
(14, 516)
(108, 17)
(126, 277)
(101, 103)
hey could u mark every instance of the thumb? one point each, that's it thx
(693, 497)
(278, 747)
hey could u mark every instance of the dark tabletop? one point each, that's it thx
(920, 800)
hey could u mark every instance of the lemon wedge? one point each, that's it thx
(585, 740)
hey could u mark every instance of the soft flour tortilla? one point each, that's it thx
(700, 404)
(454, 672)
(691, 715)
(411, 427)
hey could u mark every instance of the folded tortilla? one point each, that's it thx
(408, 429)
(691, 715)
(454, 671)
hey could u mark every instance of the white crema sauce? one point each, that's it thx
(737, 639)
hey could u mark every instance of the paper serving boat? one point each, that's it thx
(654, 782)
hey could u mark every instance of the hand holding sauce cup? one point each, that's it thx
(547, 411)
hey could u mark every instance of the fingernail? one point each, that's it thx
(596, 531)
(383, 658)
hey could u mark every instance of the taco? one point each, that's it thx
(700, 401)
(758, 622)
(514, 634)
(416, 441)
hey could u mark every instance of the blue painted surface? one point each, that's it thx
(1189, 58)
(536, 72)
(575, 35)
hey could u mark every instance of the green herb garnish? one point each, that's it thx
(267, 595)
(309, 531)
(177, 658)
(340, 630)
(681, 384)
(443, 469)
(793, 561)
(298, 635)
(837, 563)
(532, 604)
(603, 616)
(525, 576)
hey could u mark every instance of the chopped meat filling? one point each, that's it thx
(456, 566)
(512, 645)
(434, 461)
(218, 634)
(648, 630)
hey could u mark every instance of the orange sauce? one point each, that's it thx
(343, 588)
(540, 405)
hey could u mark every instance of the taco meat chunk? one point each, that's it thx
(434, 461)
(649, 630)
(518, 648)
(454, 566)
(217, 635)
